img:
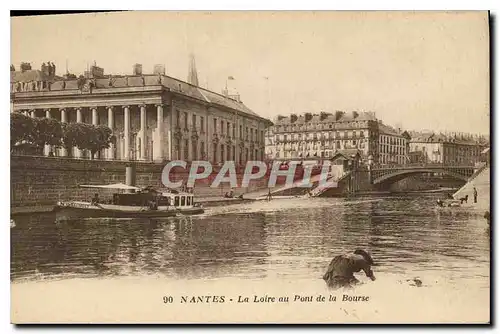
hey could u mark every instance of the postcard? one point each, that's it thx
(312, 167)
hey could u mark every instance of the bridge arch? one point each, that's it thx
(399, 175)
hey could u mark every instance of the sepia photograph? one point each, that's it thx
(250, 167)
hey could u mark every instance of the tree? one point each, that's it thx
(47, 131)
(71, 133)
(21, 129)
(100, 138)
(87, 137)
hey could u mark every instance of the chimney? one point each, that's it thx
(338, 114)
(159, 69)
(137, 70)
(25, 67)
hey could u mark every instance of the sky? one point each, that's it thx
(416, 70)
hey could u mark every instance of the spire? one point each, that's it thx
(193, 75)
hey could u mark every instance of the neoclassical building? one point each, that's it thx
(153, 117)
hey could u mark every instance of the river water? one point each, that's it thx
(275, 248)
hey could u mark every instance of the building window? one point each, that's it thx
(185, 120)
(202, 123)
(178, 148)
(229, 152)
(195, 150)
(221, 126)
(186, 149)
(215, 125)
(234, 152)
(193, 121)
(221, 152)
(215, 153)
(178, 118)
(202, 150)
(241, 131)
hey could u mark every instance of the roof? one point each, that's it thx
(173, 84)
(346, 153)
(442, 138)
(30, 75)
(386, 129)
(328, 118)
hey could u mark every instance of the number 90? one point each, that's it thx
(168, 299)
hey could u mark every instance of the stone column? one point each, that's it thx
(143, 132)
(126, 132)
(32, 113)
(95, 119)
(158, 145)
(95, 122)
(77, 151)
(25, 113)
(47, 148)
(236, 140)
(111, 125)
(168, 126)
(63, 151)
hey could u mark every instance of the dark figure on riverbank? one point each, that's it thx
(487, 217)
(95, 199)
(269, 195)
(340, 272)
(464, 199)
(153, 205)
(475, 195)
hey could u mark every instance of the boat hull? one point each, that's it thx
(72, 210)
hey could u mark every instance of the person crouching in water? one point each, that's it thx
(340, 272)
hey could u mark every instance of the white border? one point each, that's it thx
(190, 5)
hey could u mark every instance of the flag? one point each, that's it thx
(230, 77)
(267, 78)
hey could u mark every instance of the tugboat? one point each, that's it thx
(131, 202)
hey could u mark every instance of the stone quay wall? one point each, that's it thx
(37, 181)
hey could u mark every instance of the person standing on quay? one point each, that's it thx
(475, 195)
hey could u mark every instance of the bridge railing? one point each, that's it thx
(423, 165)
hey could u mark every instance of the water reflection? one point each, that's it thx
(406, 236)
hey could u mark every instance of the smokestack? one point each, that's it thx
(137, 69)
(159, 69)
(130, 175)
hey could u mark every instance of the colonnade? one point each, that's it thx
(77, 114)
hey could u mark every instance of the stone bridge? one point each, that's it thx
(383, 175)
